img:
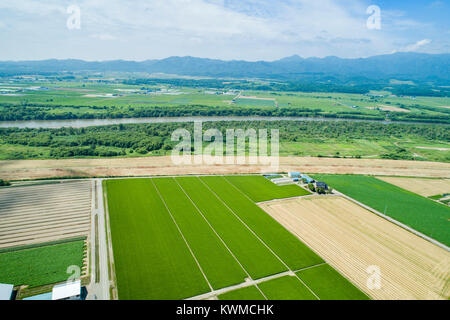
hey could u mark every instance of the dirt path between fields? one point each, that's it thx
(37, 169)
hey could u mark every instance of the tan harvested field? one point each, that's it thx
(424, 187)
(351, 239)
(256, 98)
(36, 169)
(433, 148)
(392, 108)
(42, 213)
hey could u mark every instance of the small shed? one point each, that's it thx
(6, 291)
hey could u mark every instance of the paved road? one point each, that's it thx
(99, 288)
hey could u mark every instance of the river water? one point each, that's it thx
(83, 123)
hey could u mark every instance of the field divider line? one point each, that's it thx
(214, 230)
(254, 233)
(182, 235)
(251, 283)
(241, 286)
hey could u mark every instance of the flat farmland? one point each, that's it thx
(421, 186)
(352, 239)
(41, 265)
(417, 212)
(163, 165)
(37, 213)
(201, 238)
(258, 188)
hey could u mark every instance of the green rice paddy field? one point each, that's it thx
(36, 266)
(176, 238)
(422, 214)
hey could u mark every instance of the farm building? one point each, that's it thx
(307, 178)
(67, 291)
(282, 181)
(40, 297)
(294, 174)
(322, 185)
(6, 291)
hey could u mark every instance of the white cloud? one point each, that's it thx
(417, 45)
(225, 29)
(102, 36)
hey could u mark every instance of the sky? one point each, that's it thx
(220, 29)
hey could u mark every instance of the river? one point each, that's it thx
(83, 123)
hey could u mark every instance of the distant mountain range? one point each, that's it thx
(404, 66)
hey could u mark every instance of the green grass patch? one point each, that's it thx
(221, 269)
(260, 189)
(244, 245)
(37, 266)
(286, 288)
(328, 284)
(151, 259)
(420, 213)
(247, 293)
(288, 247)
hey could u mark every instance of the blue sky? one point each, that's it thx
(223, 29)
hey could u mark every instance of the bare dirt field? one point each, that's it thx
(37, 169)
(351, 239)
(32, 214)
(424, 187)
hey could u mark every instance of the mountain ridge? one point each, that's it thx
(402, 64)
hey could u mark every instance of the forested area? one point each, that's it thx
(29, 111)
(143, 139)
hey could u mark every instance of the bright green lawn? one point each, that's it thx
(41, 265)
(420, 213)
(260, 189)
(328, 284)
